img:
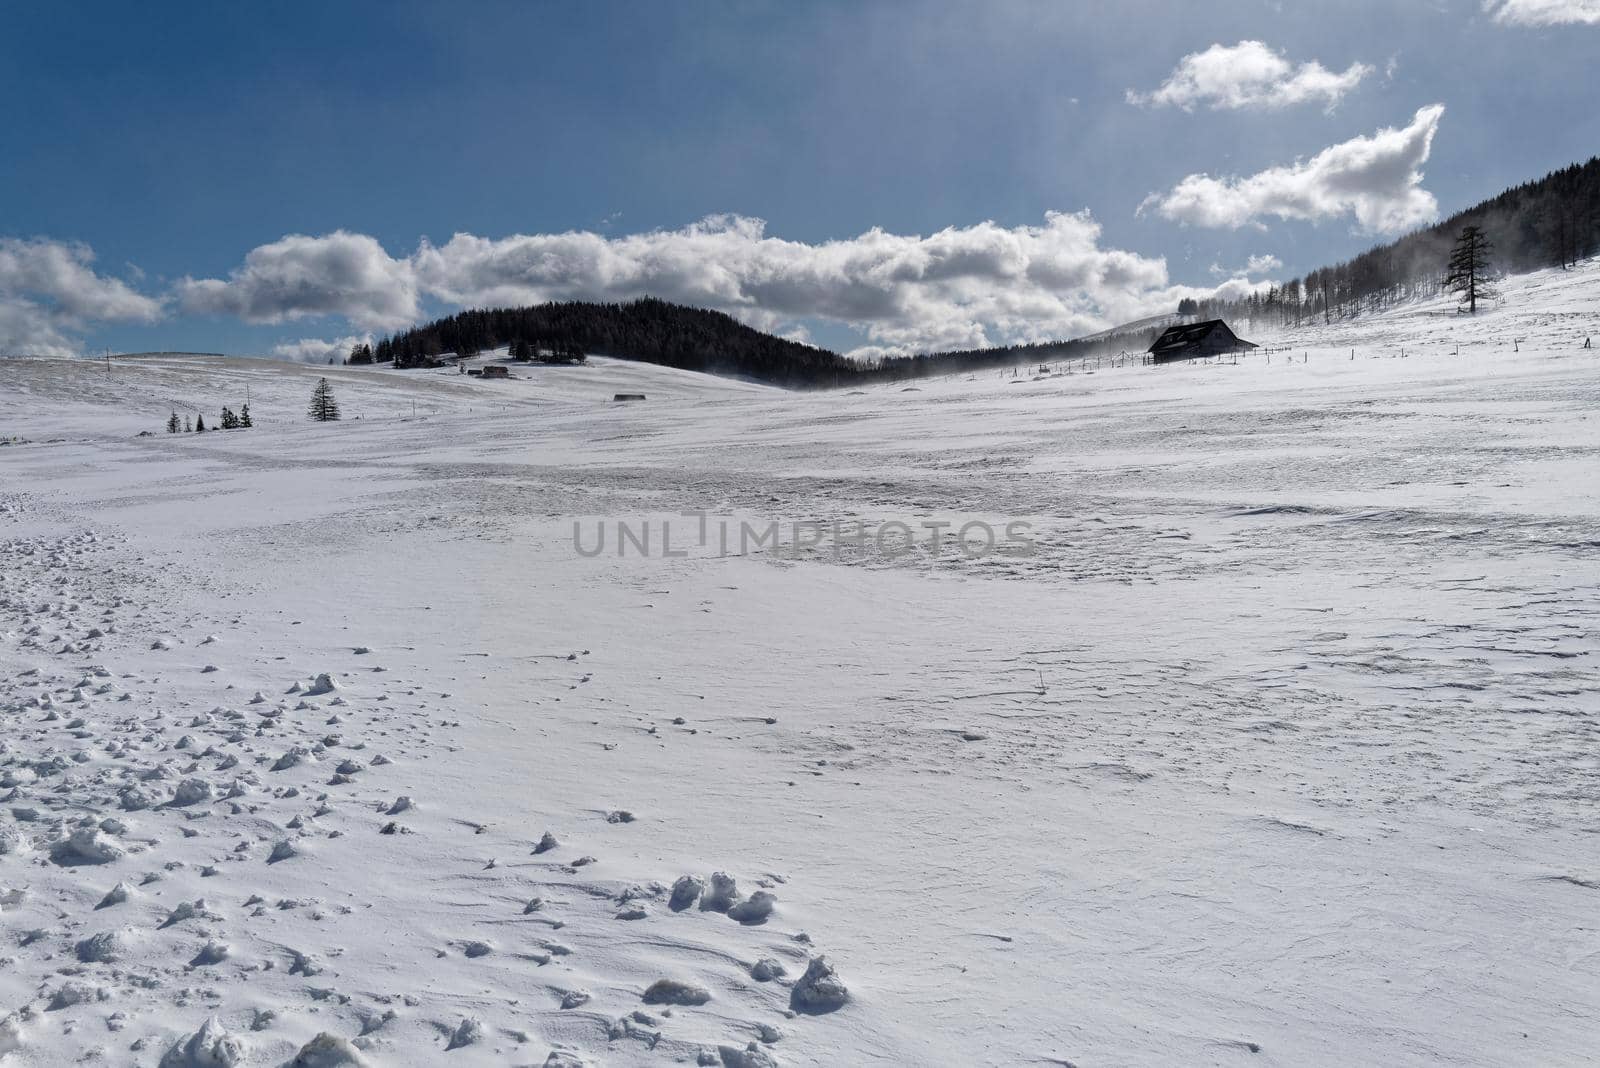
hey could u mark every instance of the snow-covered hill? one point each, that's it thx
(54, 396)
(1556, 308)
(1272, 741)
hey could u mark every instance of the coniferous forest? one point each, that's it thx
(694, 339)
(650, 330)
(1551, 222)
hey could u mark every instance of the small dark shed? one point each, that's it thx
(628, 397)
(496, 371)
(1210, 338)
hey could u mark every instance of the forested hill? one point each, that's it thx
(1553, 221)
(649, 330)
(694, 339)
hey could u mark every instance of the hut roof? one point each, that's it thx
(1175, 339)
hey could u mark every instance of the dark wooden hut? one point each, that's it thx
(1210, 338)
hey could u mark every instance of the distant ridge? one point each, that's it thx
(696, 339)
(649, 330)
(138, 355)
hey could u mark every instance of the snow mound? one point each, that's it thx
(820, 990)
(87, 845)
(210, 1047)
(675, 992)
(328, 1051)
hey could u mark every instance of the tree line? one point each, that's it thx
(1551, 222)
(692, 339)
(650, 330)
(324, 408)
(967, 361)
(229, 421)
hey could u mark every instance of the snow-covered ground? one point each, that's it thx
(1280, 746)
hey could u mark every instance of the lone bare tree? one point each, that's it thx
(324, 409)
(1468, 273)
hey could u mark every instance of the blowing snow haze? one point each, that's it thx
(799, 534)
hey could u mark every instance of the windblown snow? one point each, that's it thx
(324, 744)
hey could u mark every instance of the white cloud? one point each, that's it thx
(1249, 75)
(341, 273)
(1265, 263)
(1544, 12)
(49, 290)
(960, 287)
(319, 350)
(1376, 179)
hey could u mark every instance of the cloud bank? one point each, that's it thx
(1544, 12)
(49, 289)
(1264, 263)
(1249, 75)
(960, 287)
(319, 350)
(297, 276)
(1377, 180)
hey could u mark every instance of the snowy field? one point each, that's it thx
(1279, 745)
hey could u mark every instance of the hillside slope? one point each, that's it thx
(1276, 747)
(47, 397)
(648, 330)
(1555, 308)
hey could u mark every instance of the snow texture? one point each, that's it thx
(1278, 748)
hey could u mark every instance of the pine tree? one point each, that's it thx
(173, 426)
(199, 424)
(324, 409)
(229, 420)
(1468, 273)
(244, 418)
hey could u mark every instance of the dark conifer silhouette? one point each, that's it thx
(324, 408)
(1468, 273)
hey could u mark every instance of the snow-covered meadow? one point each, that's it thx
(1279, 745)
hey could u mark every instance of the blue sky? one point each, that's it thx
(156, 157)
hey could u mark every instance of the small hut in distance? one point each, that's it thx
(1210, 338)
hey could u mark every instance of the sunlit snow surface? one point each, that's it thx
(1281, 748)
